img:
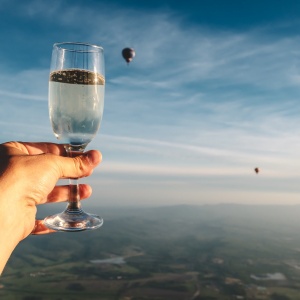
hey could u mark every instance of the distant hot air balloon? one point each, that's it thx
(256, 170)
(128, 54)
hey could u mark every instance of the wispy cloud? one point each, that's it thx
(13, 95)
(187, 172)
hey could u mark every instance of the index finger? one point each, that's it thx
(35, 148)
(41, 228)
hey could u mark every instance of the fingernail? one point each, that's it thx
(93, 158)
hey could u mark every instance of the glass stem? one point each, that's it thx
(74, 195)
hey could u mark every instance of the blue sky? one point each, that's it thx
(212, 93)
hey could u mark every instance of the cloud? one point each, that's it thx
(13, 95)
(28, 83)
(186, 172)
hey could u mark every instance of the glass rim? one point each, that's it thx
(92, 46)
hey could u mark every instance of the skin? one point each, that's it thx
(28, 176)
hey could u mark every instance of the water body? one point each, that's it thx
(269, 276)
(119, 260)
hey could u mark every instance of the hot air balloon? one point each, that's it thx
(128, 54)
(256, 170)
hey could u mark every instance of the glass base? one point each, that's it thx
(73, 221)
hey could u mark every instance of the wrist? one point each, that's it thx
(8, 242)
(10, 229)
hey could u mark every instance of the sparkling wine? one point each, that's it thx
(76, 101)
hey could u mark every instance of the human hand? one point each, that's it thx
(28, 174)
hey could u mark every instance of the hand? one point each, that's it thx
(28, 174)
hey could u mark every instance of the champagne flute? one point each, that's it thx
(76, 100)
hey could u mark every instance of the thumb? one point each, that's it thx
(79, 166)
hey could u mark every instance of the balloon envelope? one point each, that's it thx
(256, 170)
(128, 54)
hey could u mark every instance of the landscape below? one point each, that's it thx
(177, 252)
